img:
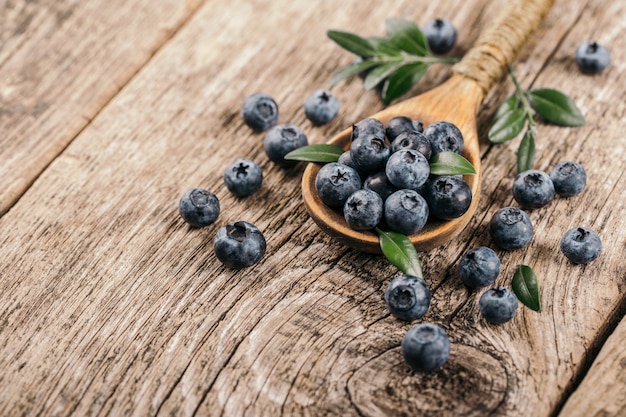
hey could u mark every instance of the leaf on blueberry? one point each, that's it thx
(526, 288)
(450, 163)
(321, 152)
(399, 250)
(556, 107)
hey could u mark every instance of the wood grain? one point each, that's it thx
(111, 305)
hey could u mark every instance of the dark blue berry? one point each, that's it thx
(533, 189)
(592, 57)
(407, 297)
(335, 182)
(449, 197)
(401, 124)
(569, 178)
(321, 107)
(479, 267)
(369, 153)
(444, 136)
(282, 139)
(239, 245)
(368, 128)
(408, 169)
(243, 177)
(379, 183)
(406, 212)
(581, 245)
(511, 228)
(498, 305)
(412, 140)
(199, 207)
(440, 34)
(425, 347)
(259, 111)
(363, 210)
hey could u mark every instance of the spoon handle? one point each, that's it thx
(497, 45)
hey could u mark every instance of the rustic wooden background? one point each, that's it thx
(111, 305)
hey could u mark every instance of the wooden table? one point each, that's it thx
(110, 305)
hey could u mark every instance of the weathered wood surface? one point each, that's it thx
(110, 305)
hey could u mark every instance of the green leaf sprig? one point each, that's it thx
(518, 112)
(397, 61)
(526, 287)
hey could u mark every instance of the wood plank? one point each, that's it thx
(60, 63)
(111, 305)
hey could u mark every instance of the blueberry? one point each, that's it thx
(592, 57)
(449, 197)
(569, 178)
(412, 140)
(440, 34)
(479, 267)
(363, 210)
(321, 107)
(581, 245)
(239, 245)
(369, 153)
(368, 128)
(511, 228)
(243, 177)
(408, 169)
(425, 347)
(199, 207)
(259, 111)
(335, 182)
(444, 136)
(533, 189)
(498, 305)
(405, 212)
(407, 297)
(401, 124)
(379, 183)
(282, 139)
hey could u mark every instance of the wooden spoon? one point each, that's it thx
(457, 100)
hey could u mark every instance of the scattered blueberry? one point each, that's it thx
(511, 228)
(533, 189)
(405, 212)
(368, 128)
(479, 267)
(282, 139)
(408, 169)
(369, 153)
(239, 245)
(581, 245)
(407, 297)
(243, 177)
(259, 111)
(498, 305)
(412, 140)
(379, 183)
(449, 197)
(569, 178)
(199, 207)
(592, 57)
(440, 34)
(425, 347)
(335, 182)
(363, 210)
(321, 107)
(444, 136)
(401, 124)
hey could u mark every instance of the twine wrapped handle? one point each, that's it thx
(498, 45)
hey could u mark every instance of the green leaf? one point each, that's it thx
(402, 81)
(399, 250)
(352, 43)
(407, 36)
(556, 107)
(526, 288)
(526, 152)
(450, 163)
(507, 126)
(507, 105)
(378, 74)
(321, 152)
(384, 46)
(352, 69)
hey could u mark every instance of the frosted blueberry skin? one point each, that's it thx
(581, 245)
(199, 207)
(401, 124)
(282, 139)
(449, 197)
(405, 212)
(440, 34)
(479, 267)
(407, 169)
(425, 347)
(243, 177)
(498, 305)
(259, 112)
(412, 139)
(369, 153)
(533, 189)
(407, 297)
(444, 136)
(368, 128)
(569, 178)
(239, 245)
(379, 183)
(592, 58)
(335, 182)
(511, 228)
(363, 210)
(321, 107)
